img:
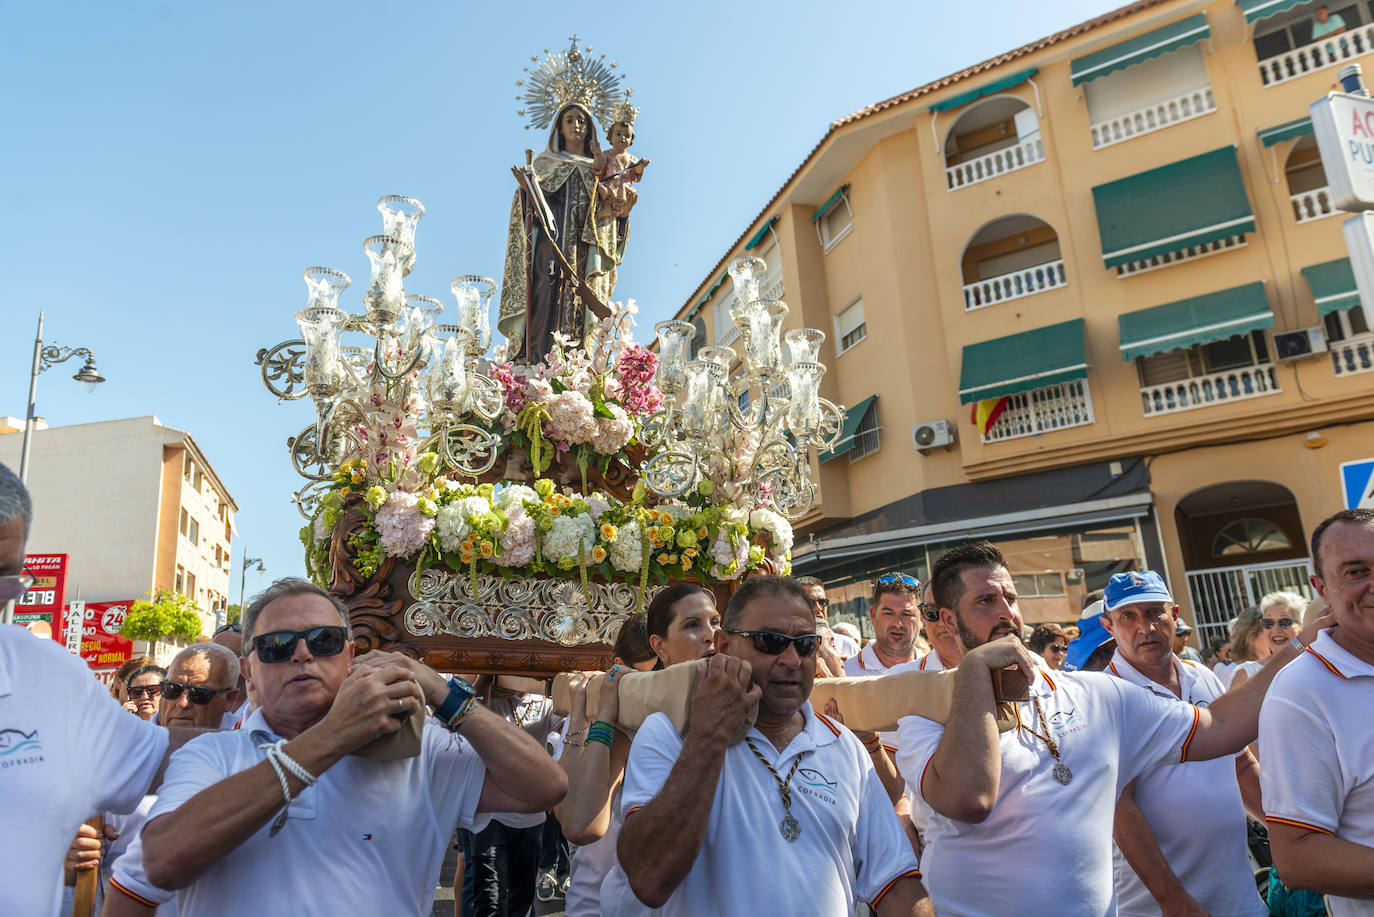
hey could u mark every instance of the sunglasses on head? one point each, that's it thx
(150, 690)
(280, 645)
(887, 579)
(234, 627)
(200, 696)
(774, 644)
(1058, 647)
(1270, 623)
(15, 585)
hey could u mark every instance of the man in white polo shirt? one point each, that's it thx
(357, 835)
(1013, 810)
(791, 820)
(1180, 829)
(1316, 740)
(67, 749)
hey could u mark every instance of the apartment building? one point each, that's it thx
(136, 506)
(1088, 299)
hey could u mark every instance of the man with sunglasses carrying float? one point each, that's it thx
(1081, 737)
(791, 820)
(281, 813)
(1180, 830)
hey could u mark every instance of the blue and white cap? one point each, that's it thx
(1133, 587)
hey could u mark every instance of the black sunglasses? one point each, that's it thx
(200, 696)
(150, 690)
(234, 627)
(888, 579)
(15, 585)
(1270, 624)
(775, 644)
(1058, 647)
(280, 645)
(820, 603)
(929, 610)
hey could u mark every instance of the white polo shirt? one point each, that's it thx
(846, 645)
(867, 665)
(128, 878)
(368, 838)
(1196, 814)
(1317, 748)
(1014, 862)
(68, 751)
(851, 846)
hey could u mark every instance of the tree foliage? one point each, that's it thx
(169, 614)
(232, 614)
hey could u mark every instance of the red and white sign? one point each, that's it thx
(48, 593)
(102, 645)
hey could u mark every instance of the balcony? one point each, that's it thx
(1000, 162)
(1154, 117)
(1353, 355)
(1208, 390)
(1310, 206)
(1041, 410)
(1015, 285)
(1318, 55)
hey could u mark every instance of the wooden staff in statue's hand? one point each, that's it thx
(539, 208)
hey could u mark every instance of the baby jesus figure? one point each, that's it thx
(617, 171)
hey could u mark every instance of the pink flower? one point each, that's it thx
(517, 542)
(401, 530)
(572, 417)
(612, 433)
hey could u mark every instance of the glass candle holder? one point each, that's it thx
(446, 381)
(803, 408)
(747, 276)
(761, 321)
(724, 357)
(400, 216)
(384, 297)
(700, 406)
(674, 347)
(326, 285)
(324, 371)
(804, 344)
(474, 292)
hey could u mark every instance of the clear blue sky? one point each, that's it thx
(170, 168)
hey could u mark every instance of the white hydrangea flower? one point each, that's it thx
(515, 495)
(766, 520)
(627, 551)
(569, 538)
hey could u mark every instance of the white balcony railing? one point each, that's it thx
(1015, 285)
(1320, 54)
(1009, 159)
(1040, 410)
(1154, 117)
(1353, 355)
(1205, 391)
(1313, 205)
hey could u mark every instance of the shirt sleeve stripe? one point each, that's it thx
(909, 874)
(1298, 824)
(828, 725)
(890, 749)
(114, 883)
(633, 811)
(1197, 716)
(1335, 671)
(921, 784)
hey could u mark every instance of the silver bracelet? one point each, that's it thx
(1297, 644)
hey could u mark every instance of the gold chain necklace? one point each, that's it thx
(789, 826)
(1061, 770)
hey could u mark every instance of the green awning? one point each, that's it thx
(1333, 286)
(1255, 10)
(1212, 317)
(1006, 82)
(852, 418)
(1289, 130)
(1141, 48)
(712, 291)
(1186, 203)
(758, 236)
(1021, 362)
(829, 204)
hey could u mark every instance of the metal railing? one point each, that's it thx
(1014, 285)
(1154, 117)
(1318, 55)
(1008, 159)
(1041, 410)
(1205, 391)
(1313, 205)
(1353, 355)
(1219, 594)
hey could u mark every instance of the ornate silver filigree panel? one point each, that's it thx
(518, 609)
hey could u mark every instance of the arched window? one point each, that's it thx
(1250, 536)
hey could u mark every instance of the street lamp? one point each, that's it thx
(243, 575)
(45, 357)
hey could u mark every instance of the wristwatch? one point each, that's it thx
(462, 697)
(1297, 644)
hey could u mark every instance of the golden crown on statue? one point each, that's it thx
(625, 113)
(573, 76)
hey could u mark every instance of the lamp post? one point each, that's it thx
(46, 358)
(243, 576)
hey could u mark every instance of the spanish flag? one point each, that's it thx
(985, 413)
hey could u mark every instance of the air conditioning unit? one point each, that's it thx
(927, 436)
(1294, 345)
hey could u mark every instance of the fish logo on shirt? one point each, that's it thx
(15, 741)
(812, 777)
(1063, 719)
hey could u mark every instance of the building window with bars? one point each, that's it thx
(850, 327)
(866, 439)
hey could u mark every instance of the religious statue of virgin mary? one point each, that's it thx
(561, 251)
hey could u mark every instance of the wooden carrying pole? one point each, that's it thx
(88, 880)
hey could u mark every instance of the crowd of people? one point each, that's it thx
(274, 770)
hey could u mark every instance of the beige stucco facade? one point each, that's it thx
(921, 234)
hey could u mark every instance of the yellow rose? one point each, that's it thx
(487, 549)
(663, 560)
(598, 554)
(555, 510)
(608, 531)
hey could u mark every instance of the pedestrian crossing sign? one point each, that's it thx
(1357, 483)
